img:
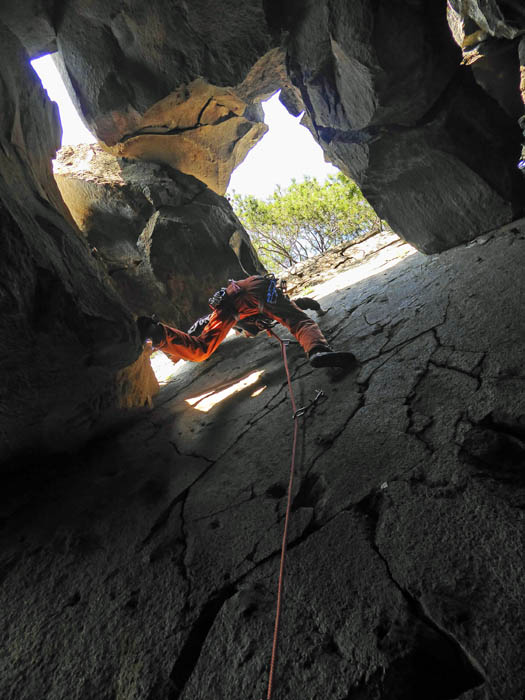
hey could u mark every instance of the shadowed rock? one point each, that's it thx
(432, 144)
(147, 560)
(435, 156)
(65, 333)
(166, 240)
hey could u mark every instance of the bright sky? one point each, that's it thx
(287, 151)
(73, 128)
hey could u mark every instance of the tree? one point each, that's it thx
(305, 219)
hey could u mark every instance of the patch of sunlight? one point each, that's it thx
(379, 262)
(163, 368)
(258, 391)
(207, 401)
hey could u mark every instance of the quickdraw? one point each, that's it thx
(271, 295)
(319, 394)
(217, 299)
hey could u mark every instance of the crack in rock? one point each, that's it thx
(196, 639)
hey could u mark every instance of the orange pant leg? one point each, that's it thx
(288, 314)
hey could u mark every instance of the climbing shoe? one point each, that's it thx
(328, 358)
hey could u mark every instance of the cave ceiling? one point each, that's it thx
(383, 86)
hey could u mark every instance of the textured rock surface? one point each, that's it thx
(431, 151)
(123, 57)
(146, 566)
(433, 144)
(64, 332)
(133, 70)
(200, 129)
(165, 239)
(32, 22)
(488, 34)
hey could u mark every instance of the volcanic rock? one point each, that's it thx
(146, 566)
(432, 152)
(200, 129)
(65, 333)
(166, 240)
(433, 144)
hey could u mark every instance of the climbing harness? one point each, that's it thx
(297, 413)
(275, 287)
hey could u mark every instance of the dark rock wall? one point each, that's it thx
(433, 144)
(389, 102)
(64, 331)
(166, 240)
(145, 567)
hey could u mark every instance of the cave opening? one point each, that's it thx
(74, 131)
(139, 540)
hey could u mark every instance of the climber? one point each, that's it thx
(251, 326)
(240, 300)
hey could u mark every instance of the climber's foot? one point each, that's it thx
(326, 358)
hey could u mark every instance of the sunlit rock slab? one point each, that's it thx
(404, 571)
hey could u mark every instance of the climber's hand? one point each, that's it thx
(150, 329)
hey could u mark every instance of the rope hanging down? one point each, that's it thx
(296, 415)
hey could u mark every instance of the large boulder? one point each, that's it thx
(164, 238)
(135, 70)
(433, 144)
(489, 33)
(123, 57)
(199, 129)
(432, 151)
(65, 333)
(390, 104)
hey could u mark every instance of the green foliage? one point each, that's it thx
(308, 218)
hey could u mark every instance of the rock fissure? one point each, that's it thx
(189, 655)
(211, 462)
(464, 671)
(165, 131)
(164, 517)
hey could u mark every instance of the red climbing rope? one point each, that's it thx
(286, 519)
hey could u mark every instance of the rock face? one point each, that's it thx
(201, 130)
(32, 22)
(411, 126)
(149, 562)
(433, 144)
(166, 240)
(144, 90)
(65, 333)
(489, 36)
(144, 566)
(137, 54)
